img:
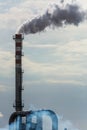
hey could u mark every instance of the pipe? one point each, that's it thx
(16, 120)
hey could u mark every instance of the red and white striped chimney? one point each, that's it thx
(18, 71)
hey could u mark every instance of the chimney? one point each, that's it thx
(18, 72)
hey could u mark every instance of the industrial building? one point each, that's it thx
(20, 119)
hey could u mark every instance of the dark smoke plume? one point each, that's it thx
(69, 14)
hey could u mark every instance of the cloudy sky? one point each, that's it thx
(54, 64)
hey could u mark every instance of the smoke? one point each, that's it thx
(66, 124)
(55, 16)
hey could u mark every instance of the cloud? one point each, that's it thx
(24, 10)
(2, 88)
(78, 46)
(10, 16)
(26, 44)
(65, 72)
(73, 82)
(73, 52)
(1, 115)
(67, 63)
(7, 63)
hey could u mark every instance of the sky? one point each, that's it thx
(54, 64)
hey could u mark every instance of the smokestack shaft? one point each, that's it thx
(18, 72)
